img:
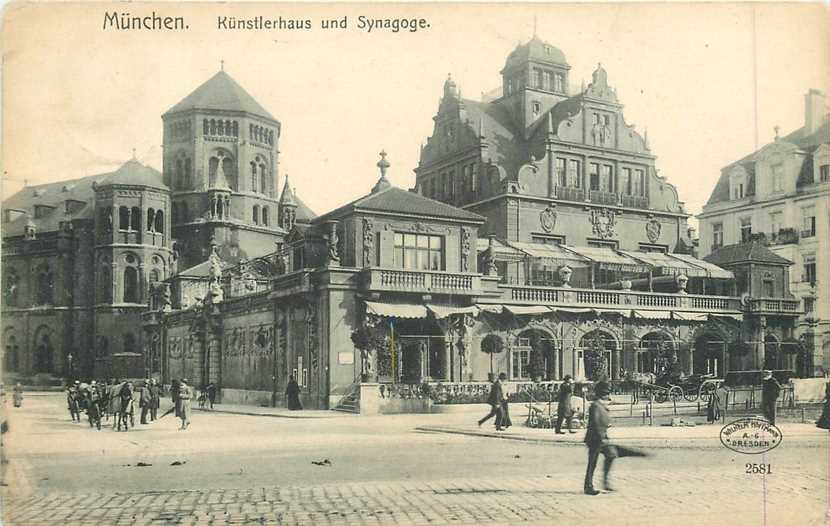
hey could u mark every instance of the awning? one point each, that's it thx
(527, 309)
(503, 251)
(713, 271)
(441, 311)
(608, 259)
(651, 314)
(690, 316)
(738, 317)
(667, 265)
(574, 310)
(493, 309)
(553, 253)
(396, 310)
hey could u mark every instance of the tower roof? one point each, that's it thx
(133, 173)
(221, 92)
(535, 50)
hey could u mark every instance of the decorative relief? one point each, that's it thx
(547, 218)
(175, 347)
(604, 222)
(466, 235)
(417, 227)
(368, 242)
(653, 229)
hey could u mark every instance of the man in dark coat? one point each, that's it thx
(144, 400)
(155, 399)
(494, 399)
(564, 411)
(174, 395)
(503, 420)
(769, 396)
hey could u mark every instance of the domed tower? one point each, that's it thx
(132, 252)
(221, 161)
(534, 79)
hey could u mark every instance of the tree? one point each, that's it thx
(595, 367)
(537, 358)
(492, 344)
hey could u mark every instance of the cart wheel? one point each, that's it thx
(707, 390)
(661, 396)
(690, 394)
(676, 393)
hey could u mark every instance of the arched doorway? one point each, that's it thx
(12, 359)
(535, 355)
(710, 352)
(656, 353)
(595, 355)
(44, 361)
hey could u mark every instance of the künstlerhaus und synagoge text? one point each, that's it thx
(539, 240)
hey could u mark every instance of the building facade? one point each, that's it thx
(539, 241)
(779, 195)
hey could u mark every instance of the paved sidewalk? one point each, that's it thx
(276, 412)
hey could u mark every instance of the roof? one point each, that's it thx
(54, 195)
(753, 251)
(535, 50)
(398, 201)
(799, 138)
(503, 144)
(221, 92)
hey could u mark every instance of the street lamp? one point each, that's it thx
(69, 360)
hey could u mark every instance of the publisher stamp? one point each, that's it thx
(750, 436)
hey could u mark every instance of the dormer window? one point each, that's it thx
(738, 184)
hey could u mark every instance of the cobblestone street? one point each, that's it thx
(254, 470)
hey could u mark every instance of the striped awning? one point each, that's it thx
(690, 316)
(491, 308)
(651, 314)
(527, 309)
(442, 311)
(712, 271)
(503, 251)
(553, 253)
(396, 310)
(667, 265)
(608, 259)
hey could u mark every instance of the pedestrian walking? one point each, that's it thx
(145, 400)
(184, 397)
(503, 419)
(174, 395)
(210, 392)
(564, 411)
(72, 401)
(155, 399)
(596, 438)
(93, 405)
(125, 413)
(494, 399)
(824, 420)
(18, 394)
(292, 394)
(769, 396)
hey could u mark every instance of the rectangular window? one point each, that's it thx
(521, 364)
(778, 178)
(638, 184)
(574, 174)
(625, 181)
(824, 173)
(809, 270)
(548, 81)
(808, 221)
(419, 252)
(606, 178)
(537, 108)
(717, 236)
(593, 175)
(560, 83)
(562, 177)
(746, 229)
(769, 288)
(809, 306)
(537, 78)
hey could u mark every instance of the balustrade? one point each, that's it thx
(602, 197)
(657, 300)
(634, 201)
(598, 297)
(422, 281)
(570, 194)
(534, 294)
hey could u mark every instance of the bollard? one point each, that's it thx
(674, 403)
(644, 418)
(651, 418)
(698, 407)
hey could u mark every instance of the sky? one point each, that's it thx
(708, 81)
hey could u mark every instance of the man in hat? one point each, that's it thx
(144, 400)
(564, 411)
(185, 395)
(769, 396)
(494, 399)
(596, 438)
(72, 396)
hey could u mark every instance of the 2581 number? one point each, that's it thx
(758, 469)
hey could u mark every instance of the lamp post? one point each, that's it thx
(69, 366)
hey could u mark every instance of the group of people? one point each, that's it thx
(114, 398)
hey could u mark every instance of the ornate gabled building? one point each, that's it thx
(778, 196)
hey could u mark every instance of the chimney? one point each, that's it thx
(814, 104)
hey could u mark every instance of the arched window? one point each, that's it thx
(159, 221)
(265, 215)
(10, 288)
(188, 173)
(130, 285)
(45, 284)
(220, 127)
(123, 218)
(155, 276)
(12, 362)
(255, 215)
(253, 177)
(263, 175)
(129, 342)
(235, 129)
(205, 126)
(135, 219)
(212, 127)
(151, 216)
(43, 352)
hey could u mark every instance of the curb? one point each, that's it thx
(656, 442)
(272, 415)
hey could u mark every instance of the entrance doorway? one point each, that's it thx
(710, 354)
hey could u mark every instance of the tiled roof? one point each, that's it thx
(397, 200)
(754, 251)
(221, 92)
(136, 174)
(536, 50)
(804, 141)
(502, 142)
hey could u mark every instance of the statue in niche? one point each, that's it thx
(565, 274)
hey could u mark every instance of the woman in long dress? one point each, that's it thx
(824, 420)
(185, 395)
(292, 394)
